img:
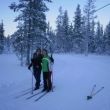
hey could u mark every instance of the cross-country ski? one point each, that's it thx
(34, 95)
(41, 96)
(25, 92)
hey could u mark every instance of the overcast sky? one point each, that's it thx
(8, 15)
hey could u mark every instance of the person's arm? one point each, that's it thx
(52, 59)
(30, 65)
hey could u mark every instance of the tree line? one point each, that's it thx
(81, 35)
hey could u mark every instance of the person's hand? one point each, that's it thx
(29, 67)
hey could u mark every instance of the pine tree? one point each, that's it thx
(83, 29)
(62, 31)
(107, 39)
(19, 44)
(33, 20)
(99, 39)
(59, 30)
(51, 37)
(78, 41)
(8, 44)
(65, 32)
(89, 12)
(2, 38)
(71, 38)
(91, 44)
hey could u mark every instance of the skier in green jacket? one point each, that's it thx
(46, 71)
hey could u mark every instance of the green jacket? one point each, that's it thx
(45, 64)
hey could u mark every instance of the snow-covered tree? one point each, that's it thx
(8, 44)
(59, 30)
(65, 32)
(19, 44)
(33, 19)
(89, 13)
(51, 37)
(91, 44)
(2, 38)
(107, 39)
(83, 27)
(71, 38)
(78, 37)
(99, 39)
(62, 31)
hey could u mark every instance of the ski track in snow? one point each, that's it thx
(74, 77)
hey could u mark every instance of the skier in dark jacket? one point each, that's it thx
(36, 64)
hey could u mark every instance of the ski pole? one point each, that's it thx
(93, 90)
(98, 91)
(52, 81)
(32, 82)
(52, 76)
(90, 96)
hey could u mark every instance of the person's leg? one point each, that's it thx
(38, 74)
(49, 81)
(45, 80)
(35, 76)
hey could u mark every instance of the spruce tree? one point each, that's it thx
(8, 44)
(2, 38)
(71, 38)
(59, 30)
(51, 37)
(78, 41)
(99, 39)
(33, 19)
(89, 13)
(91, 44)
(65, 32)
(107, 39)
(62, 31)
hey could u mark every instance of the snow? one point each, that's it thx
(74, 77)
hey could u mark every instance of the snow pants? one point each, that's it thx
(47, 80)
(37, 75)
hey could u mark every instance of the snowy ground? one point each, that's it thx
(74, 76)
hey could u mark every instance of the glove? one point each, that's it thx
(29, 67)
